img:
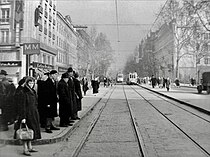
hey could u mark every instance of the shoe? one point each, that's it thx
(63, 125)
(77, 118)
(33, 150)
(71, 121)
(70, 124)
(54, 128)
(27, 153)
(48, 131)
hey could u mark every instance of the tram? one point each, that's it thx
(132, 78)
(119, 78)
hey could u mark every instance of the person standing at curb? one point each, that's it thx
(64, 100)
(168, 82)
(51, 100)
(28, 114)
(78, 93)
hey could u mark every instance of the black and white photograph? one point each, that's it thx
(105, 78)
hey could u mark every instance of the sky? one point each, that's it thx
(135, 19)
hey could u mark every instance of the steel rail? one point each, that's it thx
(188, 136)
(90, 128)
(134, 123)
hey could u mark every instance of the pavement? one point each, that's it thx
(186, 95)
(88, 102)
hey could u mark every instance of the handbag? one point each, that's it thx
(24, 133)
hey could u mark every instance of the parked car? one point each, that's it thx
(205, 83)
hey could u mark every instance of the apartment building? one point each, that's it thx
(66, 43)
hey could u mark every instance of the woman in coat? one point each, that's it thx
(28, 114)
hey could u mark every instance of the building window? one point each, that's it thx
(4, 1)
(4, 36)
(4, 15)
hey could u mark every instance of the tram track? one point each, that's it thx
(82, 142)
(206, 152)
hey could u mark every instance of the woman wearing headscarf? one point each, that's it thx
(28, 114)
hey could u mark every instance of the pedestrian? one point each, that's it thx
(153, 81)
(41, 90)
(50, 100)
(71, 87)
(168, 82)
(177, 82)
(28, 114)
(64, 100)
(85, 85)
(78, 93)
(4, 84)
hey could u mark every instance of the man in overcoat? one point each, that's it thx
(71, 87)
(51, 100)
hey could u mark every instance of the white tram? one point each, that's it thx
(132, 78)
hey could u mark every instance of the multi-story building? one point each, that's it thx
(66, 43)
(35, 38)
(9, 54)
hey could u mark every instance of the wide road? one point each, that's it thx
(131, 121)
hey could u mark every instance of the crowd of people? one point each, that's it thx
(161, 82)
(35, 102)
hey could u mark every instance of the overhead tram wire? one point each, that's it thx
(118, 36)
(158, 16)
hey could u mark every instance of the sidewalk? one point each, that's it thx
(188, 97)
(88, 102)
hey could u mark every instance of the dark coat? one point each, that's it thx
(84, 85)
(78, 94)
(28, 110)
(73, 96)
(64, 99)
(50, 98)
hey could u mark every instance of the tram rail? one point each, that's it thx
(206, 152)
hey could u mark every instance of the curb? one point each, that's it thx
(179, 101)
(64, 133)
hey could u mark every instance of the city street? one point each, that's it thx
(132, 121)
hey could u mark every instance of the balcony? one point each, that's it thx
(4, 21)
(51, 3)
(45, 31)
(45, 14)
(50, 18)
(40, 27)
(50, 34)
(41, 10)
(53, 21)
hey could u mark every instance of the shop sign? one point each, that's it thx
(10, 63)
(42, 65)
(31, 48)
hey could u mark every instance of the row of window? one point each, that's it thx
(4, 15)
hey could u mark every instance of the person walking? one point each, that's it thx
(28, 114)
(51, 100)
(168, 82)
(153, 81)
(85, 85)
(64, 100)
(78, 93)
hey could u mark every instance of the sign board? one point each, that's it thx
(42, 65)
(10, 63)
(31, 48)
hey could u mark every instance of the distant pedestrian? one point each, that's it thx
(85, 85)
(153, 81)
(28, 114)
(177, 82)
(168, 82)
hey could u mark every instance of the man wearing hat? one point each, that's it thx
(4, 84)
(64, 100)
(51, 100)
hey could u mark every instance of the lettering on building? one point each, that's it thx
(31, 48)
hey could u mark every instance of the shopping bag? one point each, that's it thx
(24, 133)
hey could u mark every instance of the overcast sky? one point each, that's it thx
(135, 18)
